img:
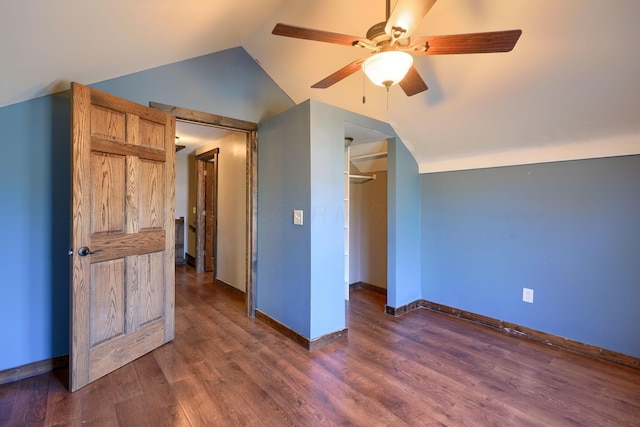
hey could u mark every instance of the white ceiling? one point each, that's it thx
(193, 135)
(569, 87)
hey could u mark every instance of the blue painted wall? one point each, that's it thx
(34, 186)
(568, 230)
(34, 192)
(301, 269)
(403, 232)
(284, 182)
(327, 220)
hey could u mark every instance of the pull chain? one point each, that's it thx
(364, 98)
(387, 98)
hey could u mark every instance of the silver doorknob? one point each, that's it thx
(84, 251)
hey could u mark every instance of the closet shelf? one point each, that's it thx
(369, 156)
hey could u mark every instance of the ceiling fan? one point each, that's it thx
(392, 47)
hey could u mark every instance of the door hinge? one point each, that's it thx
(205, 173)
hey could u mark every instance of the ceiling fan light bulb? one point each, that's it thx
(388, 68)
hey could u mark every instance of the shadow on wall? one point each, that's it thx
(60, 190)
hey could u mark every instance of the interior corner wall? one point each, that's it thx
(284, 182)
(35, 186)
(568, 230)
(404, 244)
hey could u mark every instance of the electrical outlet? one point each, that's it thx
(297, 217)
(527, 295)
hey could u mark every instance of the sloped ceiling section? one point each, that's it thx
(46, 44)
(568, 90)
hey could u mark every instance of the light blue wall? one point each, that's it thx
(284, 182)
(568, 230)
(403, 260)
(301, 268)
(327, 220)
(34, 190)
(34, 186)
(291, 260)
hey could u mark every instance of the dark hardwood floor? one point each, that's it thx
(420, 369)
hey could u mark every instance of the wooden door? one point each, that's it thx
(123, 272)
(206, 208)
(211, 203)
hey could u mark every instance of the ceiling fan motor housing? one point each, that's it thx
(376, 33)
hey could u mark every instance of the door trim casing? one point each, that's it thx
(251, 129)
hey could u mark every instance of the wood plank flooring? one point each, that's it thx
(420, 369)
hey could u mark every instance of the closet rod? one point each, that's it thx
(363, 176)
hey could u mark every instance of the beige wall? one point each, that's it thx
(355, 206)
(186, 196)
(232, 208)
(368, 231)
(182, 192)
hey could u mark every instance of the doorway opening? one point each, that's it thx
(248, 131)
(366, 208)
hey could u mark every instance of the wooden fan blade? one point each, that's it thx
(413, 83)
(316, 35)
(339, 75)
(407, 15)
(495, 41)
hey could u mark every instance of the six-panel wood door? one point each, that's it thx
(123, 271)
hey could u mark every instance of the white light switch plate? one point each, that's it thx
(297, 217)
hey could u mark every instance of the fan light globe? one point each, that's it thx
(388, 68)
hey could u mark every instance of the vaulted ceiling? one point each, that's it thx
(569, 89)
